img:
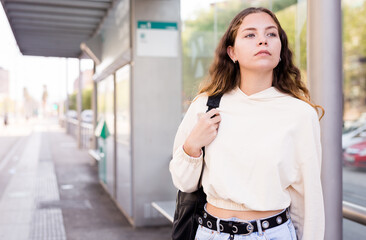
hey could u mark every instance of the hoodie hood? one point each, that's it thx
(266, 94)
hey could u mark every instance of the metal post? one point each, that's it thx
(300, 20)
(95, 109)
(115, 177)
(215, 24)
(325, 79)
(67, 97)
(79, 105)
(270, 5)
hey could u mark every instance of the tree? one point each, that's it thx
(86, 99)
(354, 49)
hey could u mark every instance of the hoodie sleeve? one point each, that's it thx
(186, 170)
(307, 206)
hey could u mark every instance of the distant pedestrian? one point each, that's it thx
(262, 161)
(5, 119)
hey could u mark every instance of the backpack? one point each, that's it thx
(189, 205)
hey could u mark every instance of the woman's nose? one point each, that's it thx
(262, 41)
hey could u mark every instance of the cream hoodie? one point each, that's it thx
(267, 155)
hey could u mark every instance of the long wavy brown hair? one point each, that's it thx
(224, 74)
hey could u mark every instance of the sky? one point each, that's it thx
(34, 72)
(189, 6)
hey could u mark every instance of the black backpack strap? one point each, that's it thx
(212, 102)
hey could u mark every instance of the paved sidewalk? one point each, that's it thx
(12, 138)
(55, 195)
(11, 133)
(18, 202)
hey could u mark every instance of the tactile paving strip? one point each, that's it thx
(47, 223)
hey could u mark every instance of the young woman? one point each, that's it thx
(263, 152)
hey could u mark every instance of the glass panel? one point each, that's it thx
(123, 118)
(106, 146)
(102, 169)
(115, 34)
(354, 127)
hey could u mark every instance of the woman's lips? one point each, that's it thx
(263, 53)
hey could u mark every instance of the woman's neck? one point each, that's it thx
(253, 82)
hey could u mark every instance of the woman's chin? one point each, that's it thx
(261, 67)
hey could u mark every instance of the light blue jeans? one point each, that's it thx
(285, 231)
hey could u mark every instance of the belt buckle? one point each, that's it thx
(249, 228)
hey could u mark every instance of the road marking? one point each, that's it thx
(12, 151)
(67, 187)
(355, 206)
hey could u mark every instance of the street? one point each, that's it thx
(354, 191)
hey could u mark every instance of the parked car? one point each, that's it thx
(353, 134)
(72, 114)
(355, 155)
(87, 116)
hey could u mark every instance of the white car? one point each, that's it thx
(72, 114)
(87, 116)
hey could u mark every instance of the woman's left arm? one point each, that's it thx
(307, 206)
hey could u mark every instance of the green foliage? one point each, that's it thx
(87, 98)
(278, 5)
(354, 49)
(87, 95)
(296, 34)
(72, 101)
(354, 24)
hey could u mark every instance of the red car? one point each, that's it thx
(355, 155)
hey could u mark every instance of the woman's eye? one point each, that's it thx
(272, 34)
(251, 35)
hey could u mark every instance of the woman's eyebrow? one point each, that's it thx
(254, 29)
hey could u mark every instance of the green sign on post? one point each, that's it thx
(102, 132)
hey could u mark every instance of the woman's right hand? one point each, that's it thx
(203, 133)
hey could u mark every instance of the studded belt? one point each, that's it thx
(243, 227)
